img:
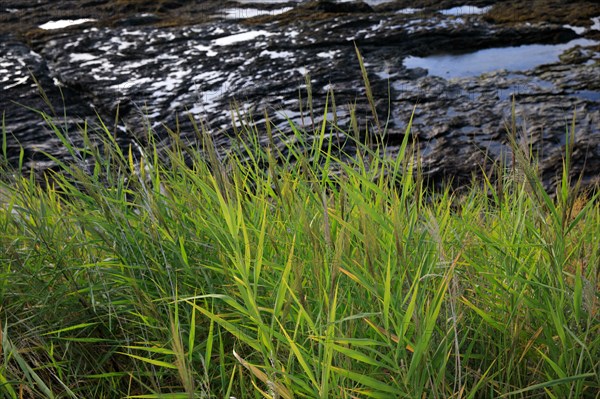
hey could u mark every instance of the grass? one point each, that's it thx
(294, 270)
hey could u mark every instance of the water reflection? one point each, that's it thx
(519, 58)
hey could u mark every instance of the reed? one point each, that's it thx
(294, 269)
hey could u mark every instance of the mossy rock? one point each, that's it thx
(553, 11)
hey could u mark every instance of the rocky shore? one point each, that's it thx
(156, 64)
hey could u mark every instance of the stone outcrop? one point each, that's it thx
(156, 64)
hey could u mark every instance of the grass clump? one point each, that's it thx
(293, 270)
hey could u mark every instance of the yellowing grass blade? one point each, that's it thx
(388, 334)
(277, 387)
(154, 362)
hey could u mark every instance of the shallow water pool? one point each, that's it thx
(518, 58)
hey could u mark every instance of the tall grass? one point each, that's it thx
(294, 270)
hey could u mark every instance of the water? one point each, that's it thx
(519, 58)
(63, 23)
(241, 37)
(591, 95)
(242, 13)
(465, 10)
(409, 10)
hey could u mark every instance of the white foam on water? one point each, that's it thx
(123, 45)
(78, 57)
(17, 82)
(123, 88)
(450, 23)
(242, 13)
(241, 37)
(276, 54)
(413, 25)
(207, 49)
(63, 23)
(465, 10)
(103, 77)
(329, 86)
(34, 54)
(328, 54)
(577, 29)
(172, 80)
(208, 76)
(409, 10)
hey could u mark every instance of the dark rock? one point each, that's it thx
(330, 6)
(161, 63)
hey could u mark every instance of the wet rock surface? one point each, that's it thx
(156, 64)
